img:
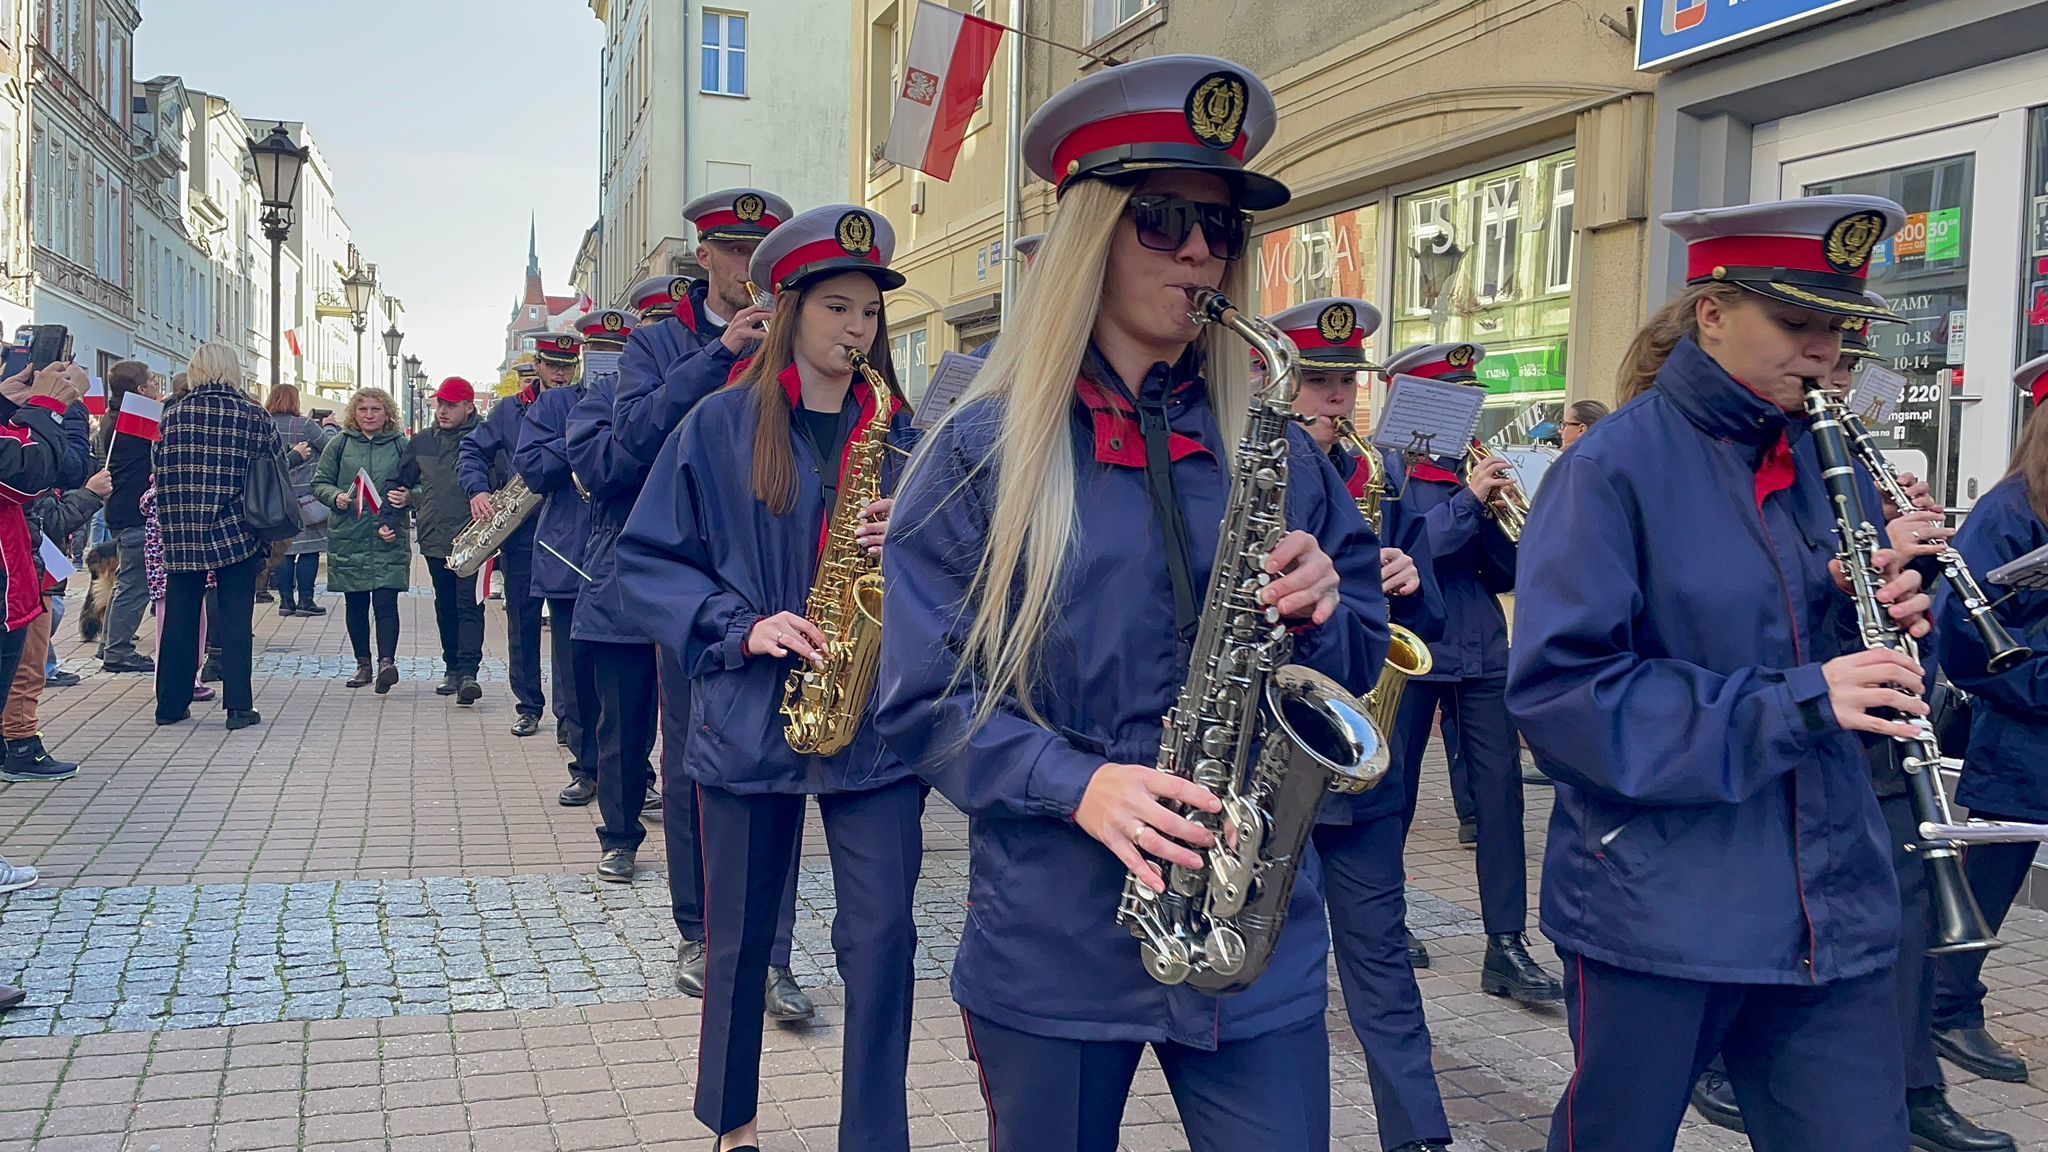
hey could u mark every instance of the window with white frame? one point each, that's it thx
(1558, 265)
(1430, 240)
(884, 62)
(1106, 16)
(725, 53)
(907, 352)
(1498, 242)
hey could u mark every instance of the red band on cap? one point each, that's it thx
(2041, 390)
(1135, 128)
(815, 252)
(653, 300)
(1312, 337)
(727, 218)
(1434, 370)
(1795, 253)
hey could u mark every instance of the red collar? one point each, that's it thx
(1118, 438)
(686, 314)
(1775, 470)
(1355, 483)
(1432, 471)
(529, 394)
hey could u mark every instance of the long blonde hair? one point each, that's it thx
(1031, 373)
(1679, 317)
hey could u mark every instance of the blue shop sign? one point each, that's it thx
(1675, 32)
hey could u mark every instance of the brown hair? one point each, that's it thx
(1587, 412)
(284, 401)
(2030, 461)
(1678, 318)
(774, 464)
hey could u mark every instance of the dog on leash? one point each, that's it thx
(101, 563)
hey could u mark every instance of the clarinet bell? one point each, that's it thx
(1959, 925)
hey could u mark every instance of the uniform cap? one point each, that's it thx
(657, 297)
(455, 390)
(1856, 332)
(557, 347)
(1198, 112)
(1330, 332)
(1814, 252)
(737, 214)
(1452, 363)
(825, 241)
(2032, 377)
(605, 329)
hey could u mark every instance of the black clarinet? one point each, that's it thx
(2004, 652)
(1959, 923)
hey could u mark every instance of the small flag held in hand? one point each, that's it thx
(367, 499)
(140, 416)
(96, 398)
(55, 562)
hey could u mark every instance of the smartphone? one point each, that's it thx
(50, 344)
(17, 356)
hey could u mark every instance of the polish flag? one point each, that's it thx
(96, 397)
(367, 499)
(140, 416)
(943, 76)
(291, 339)
(483, 580)
(56, 564)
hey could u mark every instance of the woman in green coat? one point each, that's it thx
(369, 554)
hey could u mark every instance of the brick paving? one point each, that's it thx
(365, 924)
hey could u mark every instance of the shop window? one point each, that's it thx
(2033, 327)
(1500, 233)
(907, 350)
(1432, 251)
(1563, 183)
(1333, 256)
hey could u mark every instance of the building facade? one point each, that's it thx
(689, 108)
(223, 210)
(172, 275)
(82, 173)
(16, 57)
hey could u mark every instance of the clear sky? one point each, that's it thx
(446, 123)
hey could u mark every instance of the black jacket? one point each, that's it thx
(128, 459)
(431, 460)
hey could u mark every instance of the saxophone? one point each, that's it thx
(825, 705)
(510, 506)
(1268, 738)
(1407, 655)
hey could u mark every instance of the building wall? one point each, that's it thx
(172, 276)
(15, 59)
(640, 191)
(221, 209)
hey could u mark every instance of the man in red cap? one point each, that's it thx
(442, 514)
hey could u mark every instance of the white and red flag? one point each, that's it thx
(96, 397)
(140, 416)
(943, 77)
(367, 498)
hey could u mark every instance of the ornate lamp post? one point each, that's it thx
(414, 374)
(360, 287)
(392, 338)
(277, 162)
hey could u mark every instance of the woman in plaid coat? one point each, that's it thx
(211, 433)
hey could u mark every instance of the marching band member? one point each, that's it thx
(1045, 576)
(485, 466)
(707, 327)
(1716, 874)
(1474, 564)
(1359, 838)
(718, 560)
(561, 532)
(2006, 774)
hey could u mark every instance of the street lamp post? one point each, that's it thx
(277, 162)
(360, 286)
(392, 338)
(413, 373)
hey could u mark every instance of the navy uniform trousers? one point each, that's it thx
(575, 689)
(1476, 715)
(1815, 1068)
(1364, 889)
(876, 841)
(679, 822)
(1996, 873)
(1042, 1092)
(627, 697)
(522, 623)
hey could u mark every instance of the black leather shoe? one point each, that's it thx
(787, 1003)
(387, 675)
(468, 691)
(131, 664)
(525, 725)
(690, 968)
(1975, 1050)
(363, 675)
(287, 609)
(1468, 834)
(616, 866)
(1418, 952)
(580, 790)
(447, 686)
(1510, 971)
(1714, 1097)
(562, 734)
(651, 806)
(265, 596)
(61, 679)
(1423, 1146)
(1939, 1128)
(209, 672)
(241, 719)
(311, 609)
(10, 996)
(164, 721)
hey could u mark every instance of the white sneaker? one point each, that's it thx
(13, 879)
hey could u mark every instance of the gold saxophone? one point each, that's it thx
(825, 705)
(510, 506)
(1511, 505)
(1407, 655)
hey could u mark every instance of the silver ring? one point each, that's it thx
(1140, 833)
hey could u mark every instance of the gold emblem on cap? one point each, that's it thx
(749, 208)
(613, 321)
(856, 233)
(1337, 323)
(1216, 108)
(1852, 239)
(1855, 324)
(679, 288)
(1461, 356)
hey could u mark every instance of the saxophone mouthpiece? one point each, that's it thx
(1210, 304)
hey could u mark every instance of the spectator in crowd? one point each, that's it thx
(304, 439)
(54, 516)
(1579, 416)
(212, 432)
(369, 559)
(35, 454)
(128, 459)
(443, 513)
(159, 581)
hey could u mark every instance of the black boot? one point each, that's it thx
(1714, 1097)
(1418, 952)
(29, 762)
(1468, 834)
(387, 675)
(363, 675)
(580, 790)
(1940, 1128)
(690, 968)
(1975, 1050)
(468, 692)
(209, 672)
(448, 685)
(1510, 971)
(786, 1002)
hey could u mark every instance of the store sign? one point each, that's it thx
(1671, 33)
(1538, 368)
(1945, 234)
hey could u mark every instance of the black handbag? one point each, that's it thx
(269, 500)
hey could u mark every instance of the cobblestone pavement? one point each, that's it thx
(366, 924)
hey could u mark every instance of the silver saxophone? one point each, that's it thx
(1268, 738)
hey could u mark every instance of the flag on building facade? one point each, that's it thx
(291, 340)
(140, 416)
(944, 74)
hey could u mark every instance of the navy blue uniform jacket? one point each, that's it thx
(2006, 772)
(484, 462)
(1042, 951)
(1474, 563)
(615, 435)
(1713, 822)
(701, 560)
(563, 522)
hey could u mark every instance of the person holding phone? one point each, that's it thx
(35, 454)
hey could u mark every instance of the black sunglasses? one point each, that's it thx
(1164, 223)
